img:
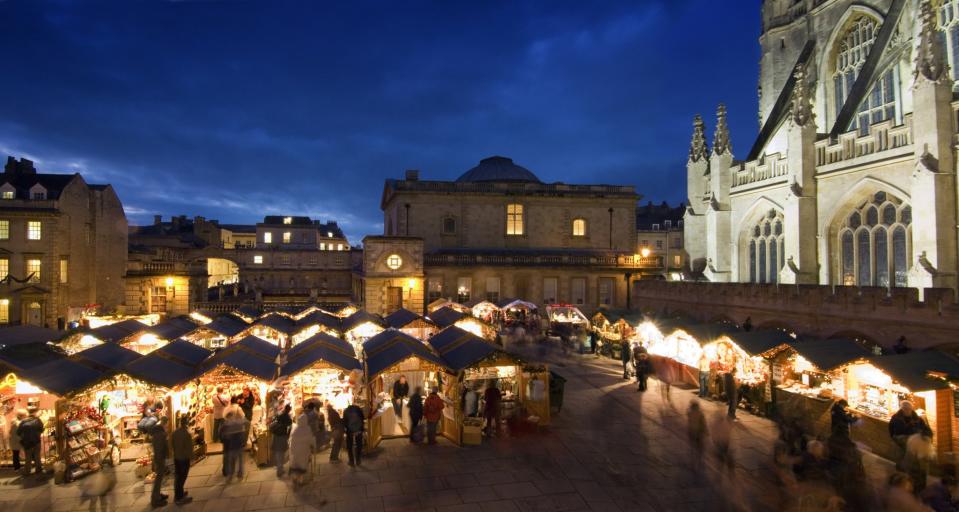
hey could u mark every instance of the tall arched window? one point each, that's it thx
(766, 249)
(873, 243)
(879, 103)
(949, 26)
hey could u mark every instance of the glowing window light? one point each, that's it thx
(89, 341)
(802, 365)
(366, 330)
(470, 326)
(200, 317)
(25, 388)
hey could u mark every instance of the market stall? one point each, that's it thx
(677, 348)
(875, 386)
(447, 316)
(446, 303)
(117, 333)
(746, 352)
(314, 322)
(274, 327)
(389, 355)
(106, 358)
(409, 322)
(361, 326)
(17, 391)
(516, 311)
(322, 368)
(347, 310)
(566, 318)
(478, 365)
(485, 311)
(222, 331)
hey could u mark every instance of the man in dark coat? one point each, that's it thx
(30, 431)
(161, 451)
(353, 423)
(626, 354)
(642, 365)
(401, 390)
(904, 424)
(416, 414)
(336, 432)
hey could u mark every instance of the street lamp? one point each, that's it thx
(644, 252)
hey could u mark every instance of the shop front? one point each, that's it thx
(753, 372)
(486, 311)
(314, 322)
(409, 322)
(323, 369)
(274, 327)
(565, 318)
(515, 311)
(389, 356)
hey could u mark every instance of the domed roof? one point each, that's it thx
(498, 168)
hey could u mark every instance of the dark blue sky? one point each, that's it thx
(234, 110)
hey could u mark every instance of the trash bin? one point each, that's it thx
(557, 384)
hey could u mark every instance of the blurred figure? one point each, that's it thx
(302, 446)
(182, 455)
(493, 398)
(665, 376)
(899, 496)
(433, 411)
(233, 437)
(280, 430)
(336, 432)
(401, 389)
(920, 454)
(626, 354)
(721, 433)
(15, 438)
(905, 423)
(416, 413)
(160, 453)
(696, 431)
(703, 376)
(730, 386)
(353, 419)
(29, 430)
(220, 401)
(641, 366)
(97, 488)
(939, 496)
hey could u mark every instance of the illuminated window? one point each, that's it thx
(766, 249)
(463, 287)
(579, 227)
(288, 220)
(268, 237)
(4, 229)
(329, 234)
(33, 230)
(322, 246)
(873, 243)
(434, 290)
(33, 270)
(257, 260)
(287, 237)
(4, 311)
(514, 219)
(339, 247)
(64, 268)
(8, 194)
(4, 268)
(393, 261)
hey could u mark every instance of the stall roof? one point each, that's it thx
(704, 333)
(912, 369)
(827, 355)
(251, 355)
(321, 347)
(277, 322)
(461, 349)
(320, 317)
(185, 352)
(360, 317)
(227, 325)
(63, 376)
(23, 334)
(159, 369)
(403, 317)
(114, 333)
(515, 303)
(173, 328)
(391, 347)
(106, 357)
(248, 311)
(24, 357)
(759, 342)
(446, 316)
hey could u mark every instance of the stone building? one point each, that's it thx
(60, 241)
(659, 234)
(499, 232)
(851, 180)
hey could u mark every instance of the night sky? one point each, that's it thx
(235, 110)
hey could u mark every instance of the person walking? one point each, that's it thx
(433, 410)
(642, 366)
(626, 355)
(30, 430)
(401, 389)
(182, 454)
(336, 432)
(233, 436)
(15, 445)
(696, 432)
(416, 414)
(280, 442)
(353, 424)
(703, 376)
(732, 393)
(220, 402)
(493, 404)
(904, 424)
(302, 446)
(161, 451)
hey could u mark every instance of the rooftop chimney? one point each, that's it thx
(23, 166)
(157, 220)
(412, 175)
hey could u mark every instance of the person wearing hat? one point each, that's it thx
(29, 431)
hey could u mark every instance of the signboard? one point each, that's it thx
(777, 373)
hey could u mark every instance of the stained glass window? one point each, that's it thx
(766, 255)
(868, 257)
(862, 253)
(899, 259)
(882, 256)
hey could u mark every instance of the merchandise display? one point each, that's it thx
(871, 391)
(16, 394)
(678, 346)
(85, 437)
(750, 370)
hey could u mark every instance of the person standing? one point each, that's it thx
(703, 376)
(696, 431)
(353, 424)
(316, 421)
(401, 389)
(182, 454)
(433, 410)
(732, 394)
(220, 402)
(416, 414)
(246, 401)
(15, 438)
(905, 423)
(493, 399)
(626, 354)
(642, 366)
(161, 451)
(336, 432)
(302, 446)
(233, 436)
(30, 430)
(280, 442)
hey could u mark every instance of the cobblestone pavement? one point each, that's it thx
(611, 448)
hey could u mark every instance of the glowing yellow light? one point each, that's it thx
(25, 388)
(200, 317)
(169, 282)
(411, 284)
(803, 365)
(89, 341)
(644, 252)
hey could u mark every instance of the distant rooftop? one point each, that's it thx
(498, 168)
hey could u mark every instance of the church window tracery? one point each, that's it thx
(948, 15)
(880, 102)
(874, 253)
(766, 248)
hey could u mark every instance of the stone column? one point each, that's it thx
(799, 218)
(718, 229)
(697, 177)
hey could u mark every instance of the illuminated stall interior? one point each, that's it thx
(614, 325)
(806, 369)
(275, 328)
(566, 314)
(347, 310)
(409, 322)
(485, 311)
(218, 333)
(18, 392)
(446, 303)
(515, 310)
(389, 355)
(361, 326)
(250, 362)
(447, 316)
(161, 334)
(322, 368)
(747, 352)
(118, 333)
(316, 321)
(94, 321)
